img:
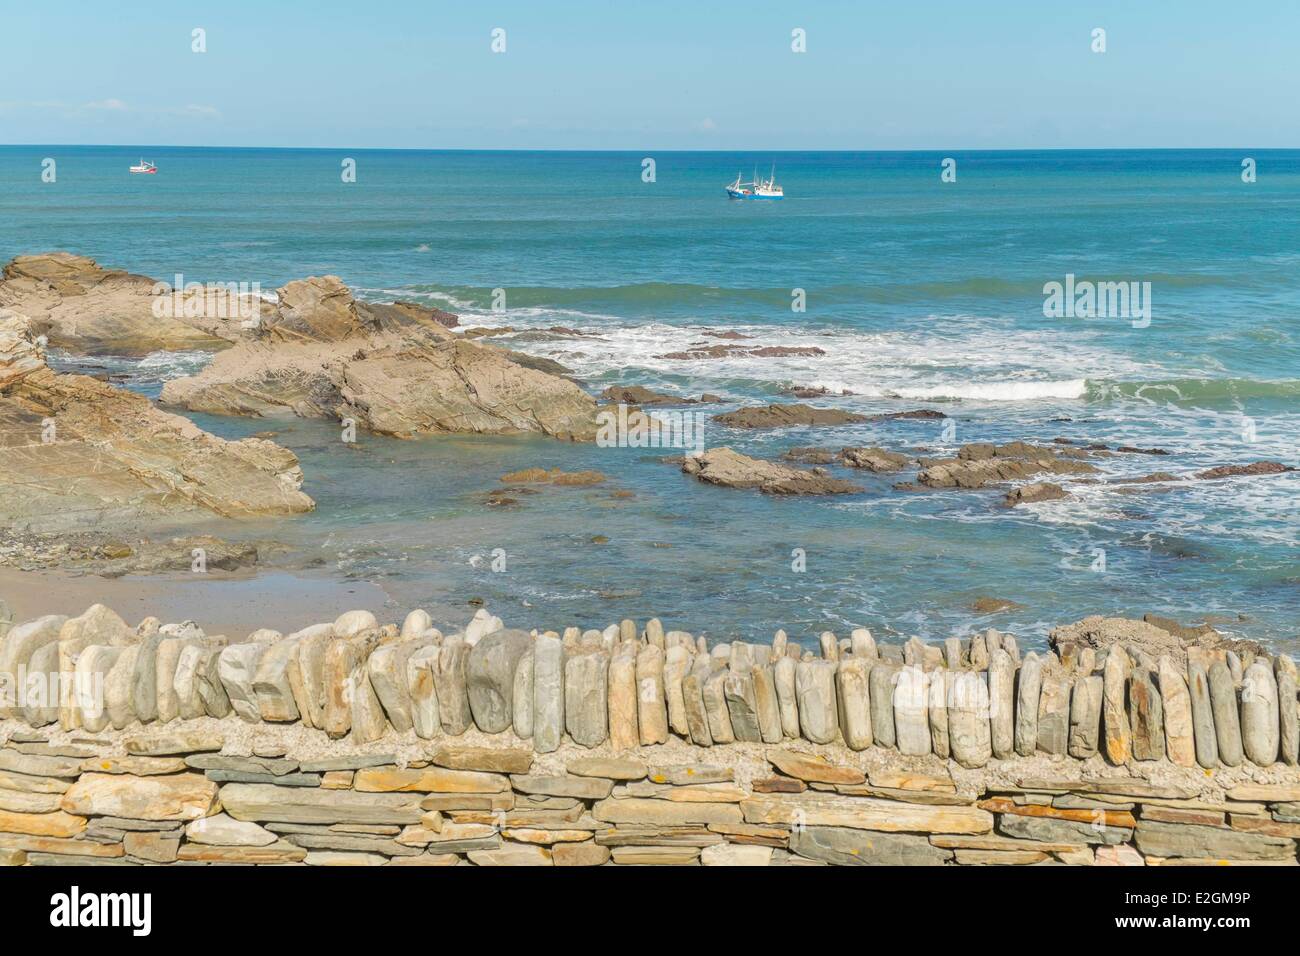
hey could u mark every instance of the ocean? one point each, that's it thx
(917, 293)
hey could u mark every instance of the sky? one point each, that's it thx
(625, 74)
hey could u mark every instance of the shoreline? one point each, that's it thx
(234, 604)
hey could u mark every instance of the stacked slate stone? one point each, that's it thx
(970, 701)
(166, 791)
(173, 797)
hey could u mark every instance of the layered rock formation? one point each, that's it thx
(394, 370)
(80, 452)
(360, 743)
(84, 308)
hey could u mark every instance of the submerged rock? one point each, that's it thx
(784, 416)
(980, 464)
(1035, 491)
(723, 466)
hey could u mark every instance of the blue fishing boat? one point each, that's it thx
(756, 188)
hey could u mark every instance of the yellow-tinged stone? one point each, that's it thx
(864, 813)
(1207, 861)
(1265, 793)
(1076, 856)
(812, 768)
(416, 835)
(706, 793)
(611, 768)
(278, 852)
(579, 854)
(1112, 818)
(545, 837)
(1249, 824)
(902, 780)
(649, 810)
(56, 824)
(20, 801)
(28, 783)
(428, 780)
(336, 780)
(426, 859)
(490, 759)
(1000, 857)
(137, 766)
(656, 855)
(433, 820)
(994, 842)
(517, 854)
(43, 844)
(181, 796)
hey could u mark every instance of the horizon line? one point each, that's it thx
(643, 150)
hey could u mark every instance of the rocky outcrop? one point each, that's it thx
(1035, 491)
(871, 458)
(785, 416)
(391, 370)
(640, 395)
(977, 465)
(723, 466)
(705, 351)
(81, 451)
(84, 308)
(1238, 471)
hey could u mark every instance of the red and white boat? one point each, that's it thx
(144, 167)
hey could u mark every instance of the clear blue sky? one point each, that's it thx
(626, 74)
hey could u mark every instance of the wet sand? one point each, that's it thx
(230, 604)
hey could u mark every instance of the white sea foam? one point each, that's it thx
(968, 360)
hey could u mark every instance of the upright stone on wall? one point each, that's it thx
(1028, 691)
(490, 677)
(854, 702)
(450, 687)
(548, 693)
(938, 713)
(624, 728)
(968, 719)
(880, 685)
(1085, 716)
(1054, 714)
(586, 697)
(787, 695)
(1117, 734)
(1002, 680)
(1289, 710)
(1227, 723)
(1259, 713)
(1176, 702)
(1204, 733)
(420, 669)
(677, 662)
(1146, 716)
(818, 707)
(911, 717)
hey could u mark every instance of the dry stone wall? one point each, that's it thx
(360, 743)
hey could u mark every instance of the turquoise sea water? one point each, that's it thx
(919, 293)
